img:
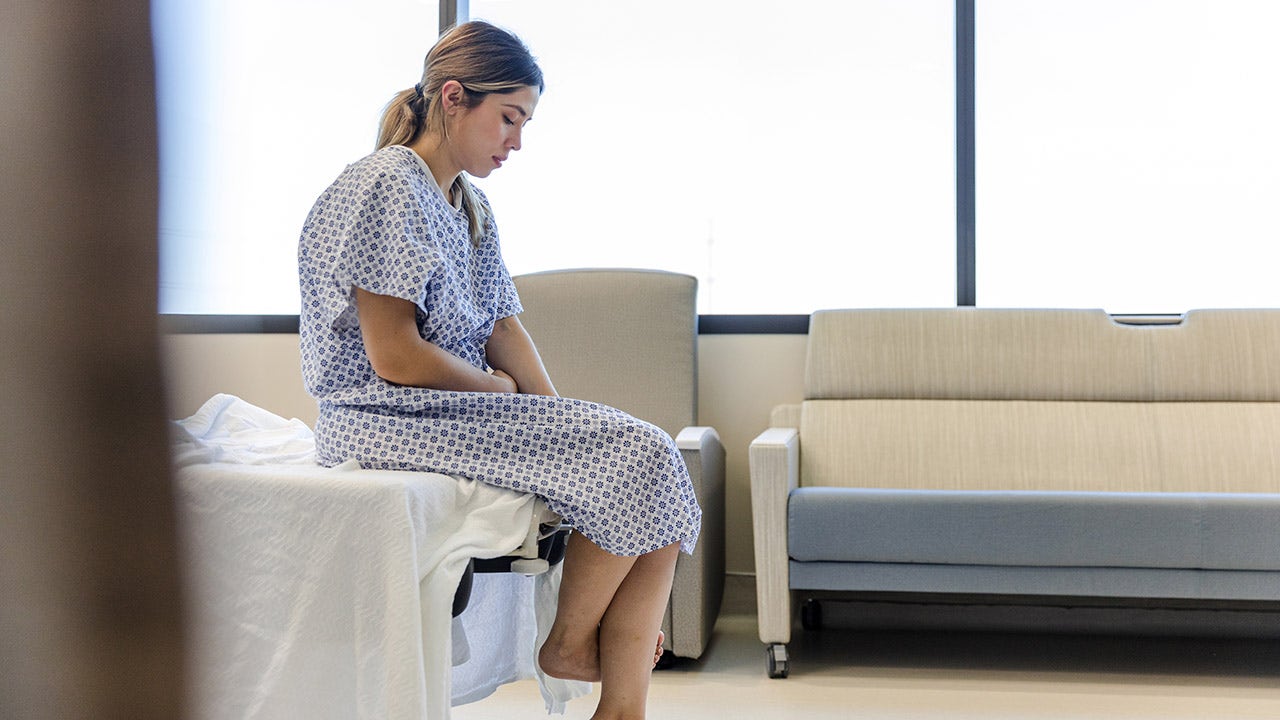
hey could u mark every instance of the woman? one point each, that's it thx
(412, 347)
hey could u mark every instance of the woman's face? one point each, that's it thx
(482, 137)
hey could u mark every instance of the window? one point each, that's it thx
(1126, 154)
(790, 161)
(261, 104)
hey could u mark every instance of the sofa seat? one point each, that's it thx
(1199, 531)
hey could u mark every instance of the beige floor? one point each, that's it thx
(842, 672)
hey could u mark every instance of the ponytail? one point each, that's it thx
(401, 122)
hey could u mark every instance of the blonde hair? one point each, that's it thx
(483, 59)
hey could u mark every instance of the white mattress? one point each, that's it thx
(325, 592)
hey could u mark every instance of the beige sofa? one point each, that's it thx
(1027, 453)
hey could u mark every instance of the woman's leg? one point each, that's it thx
(609, 612)
(627, 632)
(591, 577)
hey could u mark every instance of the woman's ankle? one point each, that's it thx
(562, 658)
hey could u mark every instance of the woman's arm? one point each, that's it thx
(399, 354)
(510, 349)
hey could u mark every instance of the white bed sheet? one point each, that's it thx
(325, 592)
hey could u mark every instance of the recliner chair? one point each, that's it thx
(628, 339)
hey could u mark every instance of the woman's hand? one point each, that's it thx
(511, 348)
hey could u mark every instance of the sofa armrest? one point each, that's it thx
(698, 587)
(775, 471)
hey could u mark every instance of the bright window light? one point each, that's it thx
(1127, 154)
(789, 161)
(792, 158)
(261, 104)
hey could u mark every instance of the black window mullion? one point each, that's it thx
(966, 268)
(453, 12)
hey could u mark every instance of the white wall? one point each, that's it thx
(741, 378)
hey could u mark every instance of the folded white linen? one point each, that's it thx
(228, 429)
(325, 592)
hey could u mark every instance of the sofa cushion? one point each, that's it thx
(1055, 529)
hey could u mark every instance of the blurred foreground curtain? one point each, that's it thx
(90, 606)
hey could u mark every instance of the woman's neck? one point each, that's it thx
(435, 154)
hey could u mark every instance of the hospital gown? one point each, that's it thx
(384, 226)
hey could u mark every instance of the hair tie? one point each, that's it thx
(418, 89)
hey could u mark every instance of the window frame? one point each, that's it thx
(453, 11)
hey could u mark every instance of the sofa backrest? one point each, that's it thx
(991, 354)
(1042, 399)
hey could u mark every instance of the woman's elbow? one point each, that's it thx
(390, 367)
(505, 326)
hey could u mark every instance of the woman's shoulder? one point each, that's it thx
(394, 163)
(390, 160)
(389, 175)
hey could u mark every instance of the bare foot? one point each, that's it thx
(566, 660)
(563, 660)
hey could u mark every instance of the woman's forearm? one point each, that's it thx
(430, 366)
(400, 355)
(511, 350)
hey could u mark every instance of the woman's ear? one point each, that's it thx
(451, 95)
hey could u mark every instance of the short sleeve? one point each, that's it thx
(388, 248)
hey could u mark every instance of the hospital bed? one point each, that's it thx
(328, 592)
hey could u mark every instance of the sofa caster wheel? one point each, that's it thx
(776, 661)
(811, 615)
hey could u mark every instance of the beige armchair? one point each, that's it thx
(628, 338)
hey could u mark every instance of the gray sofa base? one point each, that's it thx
(1213, 620)
(1143, 583)
(1211, 531)
(1187, 546)
(1173, 546)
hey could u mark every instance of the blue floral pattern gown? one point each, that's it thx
(385, 227)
